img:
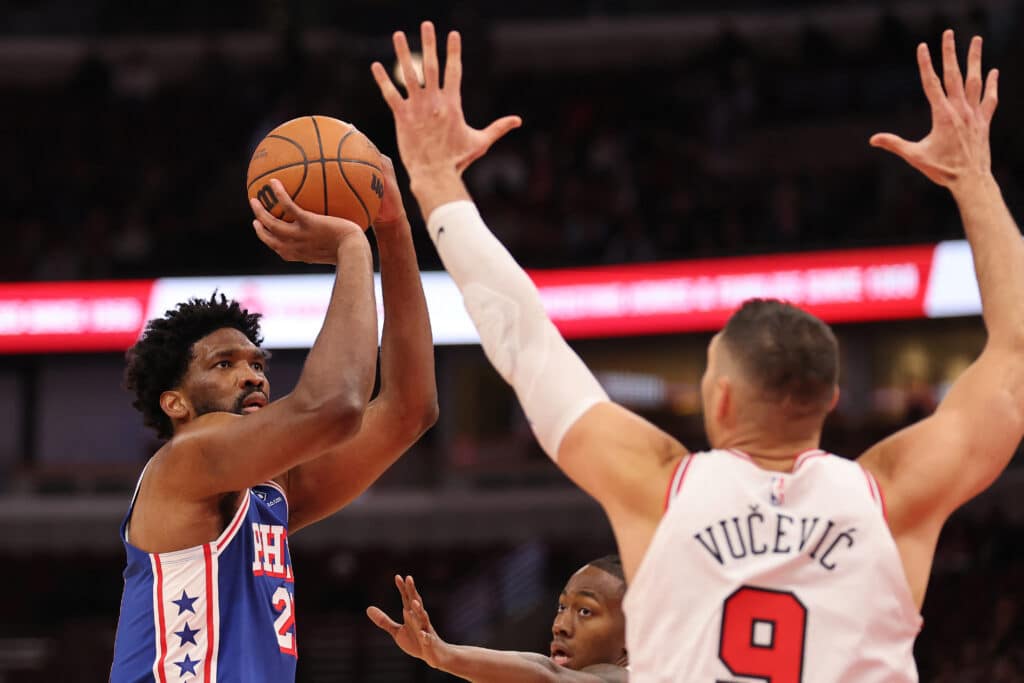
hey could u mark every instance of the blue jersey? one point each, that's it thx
(221, 611)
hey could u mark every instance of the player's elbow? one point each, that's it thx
(337, 417)
(414, 417)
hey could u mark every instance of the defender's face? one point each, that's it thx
(589, 627)
(226, 374)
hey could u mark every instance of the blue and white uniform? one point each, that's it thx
(221, 611)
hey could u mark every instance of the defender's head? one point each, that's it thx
(774, 370)
(590, 627)
(203, 356)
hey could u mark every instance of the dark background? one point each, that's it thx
(653, 130)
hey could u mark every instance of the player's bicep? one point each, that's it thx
(933, 467)
(621, 459)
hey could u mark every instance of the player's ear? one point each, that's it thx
(175, 405)
(835, 399)
(724, 399)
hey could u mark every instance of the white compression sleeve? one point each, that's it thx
(554, 387)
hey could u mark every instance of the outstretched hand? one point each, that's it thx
(416, 635)
(308, 237)
(957, 147)
(432, 132)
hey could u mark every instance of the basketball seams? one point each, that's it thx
(344, 176)
(304, 163)
(298, 136)
(323, 162)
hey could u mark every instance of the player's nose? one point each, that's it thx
(248, 377)
(562, 626)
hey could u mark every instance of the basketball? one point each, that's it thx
(326, 165)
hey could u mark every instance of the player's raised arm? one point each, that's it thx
(219, 452)
(621, 460)
(417, 638)
(931, 468)
(405, 406)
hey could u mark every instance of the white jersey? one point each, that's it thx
(784, 577)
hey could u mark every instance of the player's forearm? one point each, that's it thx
(432, 188)
(482, 665)
(998, 252)
(553, 385)
(340, 368)
(407, 346)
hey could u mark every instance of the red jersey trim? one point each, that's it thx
(273, 484)
(162, 642)
(676, 482)
(210, 609)
(229, 532)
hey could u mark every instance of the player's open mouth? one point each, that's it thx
(559, 655)
(253, 402)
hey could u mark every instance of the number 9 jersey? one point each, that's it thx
(222, 611)
(755, 575)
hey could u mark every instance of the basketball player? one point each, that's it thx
(765, 558)
(588, 645)
(209, 583)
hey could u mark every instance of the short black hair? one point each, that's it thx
(159, 360)
(611, 564)
(788, 353)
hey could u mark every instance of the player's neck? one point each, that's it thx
(771, 453)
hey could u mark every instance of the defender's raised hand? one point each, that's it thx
(957, 147)
(415, 636)
(308, 237)
(432, 132)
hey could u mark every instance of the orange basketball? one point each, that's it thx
(326, 165)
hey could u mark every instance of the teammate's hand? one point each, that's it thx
(391, 207)
(416, 635)
(957, 147)
(310, 237)
(432, 132)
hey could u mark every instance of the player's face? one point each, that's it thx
(227, 374)
(589, 627)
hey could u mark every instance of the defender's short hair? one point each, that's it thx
(159, 360)
(790, 355)
(611, 564)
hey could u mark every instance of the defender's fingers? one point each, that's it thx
(412, 80)
(972, 87)
(929, 79)
(429, 42)
(893, 143)
(498, 129)
(400, 584)
(951, 75)
(991, 98)
(453, 63)
(387, 89)
(383, 621)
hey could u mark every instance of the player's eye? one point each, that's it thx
(585, 612)
(258, 367)
(223, 364)
(561, 608)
